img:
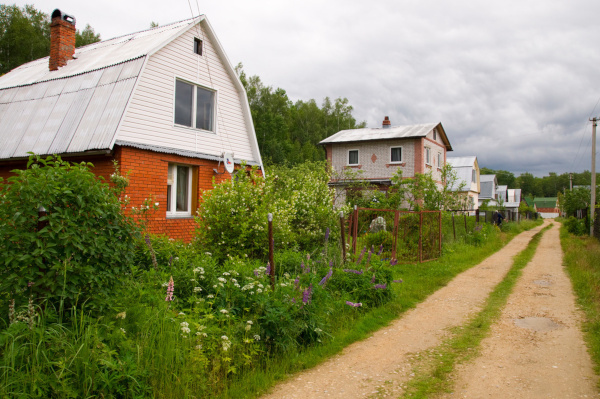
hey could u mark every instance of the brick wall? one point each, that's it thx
(148, 180)
(62, 42)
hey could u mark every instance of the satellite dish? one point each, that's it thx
(228, 161)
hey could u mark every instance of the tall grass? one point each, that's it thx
(582, 260)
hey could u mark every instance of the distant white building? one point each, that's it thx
(489, 186)
(467, 173)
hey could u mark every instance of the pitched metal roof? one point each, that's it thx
(487, 178)
(461, 162)
(97, 56)
(78, 107)
(393, 132)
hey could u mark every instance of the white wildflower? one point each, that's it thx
(197, 289)
(224, 311)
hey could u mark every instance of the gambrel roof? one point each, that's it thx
(392, 132)
(79, 107)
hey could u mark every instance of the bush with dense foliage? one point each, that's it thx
(79, 250)
(232, 218)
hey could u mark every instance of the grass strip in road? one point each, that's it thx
(434, 368)
(420, 281)
(582, 260)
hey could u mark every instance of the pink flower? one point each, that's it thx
(170, 290)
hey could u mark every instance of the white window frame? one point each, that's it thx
(357, 158)
(172, 201)
(195, 88)
(435, 134)
(439, 160)
(401, 154)
(428, 155)
(474, 176)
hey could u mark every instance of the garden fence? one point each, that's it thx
(403, 235)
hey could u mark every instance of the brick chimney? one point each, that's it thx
(386, 122)
(62, 39)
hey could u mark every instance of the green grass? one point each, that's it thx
(434, 367)
(582, 260)
(420, 281)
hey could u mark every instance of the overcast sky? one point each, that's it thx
(513, 82)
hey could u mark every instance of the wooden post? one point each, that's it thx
(453, 226)
(440, 232)
(271, 245)
(355, 232)
(465, 215)
(343, 237)
(477, 216)
(396, 220)
(420, 236)
(41, 213)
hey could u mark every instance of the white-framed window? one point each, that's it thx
(396, 154)
(439, 160)
(352, 157)
(194, 106)
(197, 46)
(474, 176)
(428, 155)
(435, 134)
(179, 190)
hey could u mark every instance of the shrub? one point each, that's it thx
(85, 246)
(232, 218)
(576, 226)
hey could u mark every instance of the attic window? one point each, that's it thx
(197, 46)
(435, 134)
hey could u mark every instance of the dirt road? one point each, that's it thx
(381, 365)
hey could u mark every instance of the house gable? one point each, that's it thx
(150, 116)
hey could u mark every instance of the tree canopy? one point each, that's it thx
(25, 36)
(288, 132)
(546, 186)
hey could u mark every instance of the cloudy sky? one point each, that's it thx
(513, 83)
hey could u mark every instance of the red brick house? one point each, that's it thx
(165, 103)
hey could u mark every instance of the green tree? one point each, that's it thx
(25, 36)
(87, 36)
(505, 178)
(287, 132)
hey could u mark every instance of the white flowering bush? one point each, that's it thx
(232, 220)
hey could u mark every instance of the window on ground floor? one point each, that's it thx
(179, 190)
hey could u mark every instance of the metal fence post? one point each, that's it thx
(453, 226)
(343, 236)
(355, 226)
(271, 249)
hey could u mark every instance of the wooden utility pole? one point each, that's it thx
(571, 181)
(593, 202)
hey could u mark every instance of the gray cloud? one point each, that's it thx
(513, 83)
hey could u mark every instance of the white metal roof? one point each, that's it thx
(78, 107)
(98, 55)
(487, 178)
(461, 162)
(392, 132)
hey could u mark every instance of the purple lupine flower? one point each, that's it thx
(373, 248)
(293, 300)
(394, 262)
(380, 250)
(353, 271)
(362, 253)
(369, 257)
(326, 235)
(373, 279)
(256, 273)
(297, 283)
(170, 261)
(398, 281)
(380, 286)
(305, 269)
(353, 304)
(330, 264)
(327, 276)
(306, 295)
(268, 271)
(170, 288)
